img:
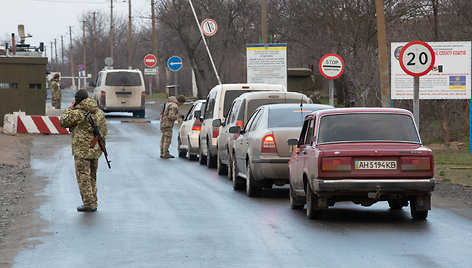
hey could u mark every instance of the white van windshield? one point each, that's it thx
(123, 79)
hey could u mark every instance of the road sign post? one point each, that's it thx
(150, 61)
(331, 66)
(417, 59)
(174, 63)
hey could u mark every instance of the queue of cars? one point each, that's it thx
(325, 154)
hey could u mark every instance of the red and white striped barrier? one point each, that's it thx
(40, 124)
(19, 122)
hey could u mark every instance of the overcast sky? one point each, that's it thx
(49, 19)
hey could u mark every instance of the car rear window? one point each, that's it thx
(123, 79)
(230, 95)
(256, 103)
(287, 117)
(367, 127)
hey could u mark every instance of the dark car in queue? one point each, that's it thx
(261, 152)
(363, 155)
(238, 115)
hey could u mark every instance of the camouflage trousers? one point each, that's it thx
(166, 139)
(86, 173)
(56, 103)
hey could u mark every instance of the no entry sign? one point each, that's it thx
(331, 66)
(417, 58)
(150, 60)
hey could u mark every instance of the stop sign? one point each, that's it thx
(150, 60)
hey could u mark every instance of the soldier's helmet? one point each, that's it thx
(181, 99)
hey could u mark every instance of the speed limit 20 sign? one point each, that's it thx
(417, 58)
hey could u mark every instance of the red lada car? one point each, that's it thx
(363, 155)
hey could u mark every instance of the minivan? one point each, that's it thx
(121, 90)
(217, 105)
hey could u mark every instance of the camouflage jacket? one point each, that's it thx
(55, 89)
(171, 112)
(78, 125)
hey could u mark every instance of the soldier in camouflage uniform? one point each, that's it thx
(56, 94)
(168, 117)
(85, 156)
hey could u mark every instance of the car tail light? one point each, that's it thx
(215, 132)
(143, 98)
(336, 164)
(103, 98)
(415, 163)
(268, 144)
(239, 123)
(197, 125)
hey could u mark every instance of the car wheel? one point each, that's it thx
(202, 159)
(182, 153)
(220, 167)
(294, 203)
(230, 167)
(238, 184)
(251, 189)
(142, 113)
(415, 214)
(135, 113)
(312, 212)
(211, 160)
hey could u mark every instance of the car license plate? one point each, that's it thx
(359, 164)
(123, 94)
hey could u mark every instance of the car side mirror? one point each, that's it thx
(197, 114)
(216, 122)
(235, 129)
(182, 116)
(292, 142)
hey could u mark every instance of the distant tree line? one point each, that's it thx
(311, 29)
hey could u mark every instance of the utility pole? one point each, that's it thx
(62, 54)
(84, 47)
(111, 30)
(154, 44)
(129, 36)
(94, 36)
(71, 59)
(52, 57)
(382, 42)
(55, 51)
(265, 34)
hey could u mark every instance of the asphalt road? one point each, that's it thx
(174, 213)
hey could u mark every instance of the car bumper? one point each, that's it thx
(270, 168)
(402, 185)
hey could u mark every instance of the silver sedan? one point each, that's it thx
(261, 153)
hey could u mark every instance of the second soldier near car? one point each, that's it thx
(168, 117)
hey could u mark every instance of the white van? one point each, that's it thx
(121, 90)
(218, 102)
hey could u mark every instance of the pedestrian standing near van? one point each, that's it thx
(168, 117)
(56, 94)
(86, 151)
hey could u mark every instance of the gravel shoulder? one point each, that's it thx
(19, 200)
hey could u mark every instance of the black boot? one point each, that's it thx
(86, 209)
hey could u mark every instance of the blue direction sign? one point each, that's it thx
(174, 63)
(81, 67)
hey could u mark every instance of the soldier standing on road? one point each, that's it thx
(85, 156)
(168, 117)
(56, 94)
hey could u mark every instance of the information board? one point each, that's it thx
(267, 63)
(450, 77)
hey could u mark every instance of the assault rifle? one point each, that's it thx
(97, 138)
